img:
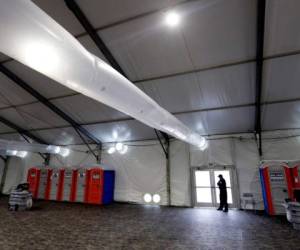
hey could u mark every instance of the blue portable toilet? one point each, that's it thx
(108, 186)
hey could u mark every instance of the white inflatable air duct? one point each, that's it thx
(30, 36)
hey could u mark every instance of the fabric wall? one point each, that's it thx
(143, 168)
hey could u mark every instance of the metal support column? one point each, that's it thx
(166, 148)
(261, 6)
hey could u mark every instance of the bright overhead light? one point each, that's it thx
(172, 19)
(124, 149)
(22, 154)
(203, 145)
(11, 152)
(156, 198)
(64, 152)
(147, 198)
(119, 146)
(53, 149)
(111, 150)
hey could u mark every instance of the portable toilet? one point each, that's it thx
(108, 186)
(95, 181)
(43, 190)
(33, 178)
(56, 184)
(67, 190)
(81, 185)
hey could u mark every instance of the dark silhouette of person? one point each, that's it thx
(223, 194)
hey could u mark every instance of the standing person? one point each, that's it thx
(223, 194)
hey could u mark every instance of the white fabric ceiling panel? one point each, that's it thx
(281, 116)
(12, 136)
(282, 33)
(89, 44)
(39, 82)
(220, 121)
(12, 94)
(101, 13)
(32, 116)
(281, 78)
(146, 48)
(219, 31)
(58, 10)
(86, 110)
(221, 87)
(62, 136)
(130, 130)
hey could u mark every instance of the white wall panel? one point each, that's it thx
(282, 32)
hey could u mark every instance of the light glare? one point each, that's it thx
(119, 146)
(124, 150)
(172, 19)
(22, 154)
(111, 150)
(147, 198)
(156, 198)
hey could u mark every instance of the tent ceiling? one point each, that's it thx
(202, 71)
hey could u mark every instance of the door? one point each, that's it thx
(81, 185)
(206, 191)
(95, 188)
(68, 174)
(43, 184)
(54, 184)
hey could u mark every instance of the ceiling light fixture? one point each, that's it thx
(111, 150)
(172, 19)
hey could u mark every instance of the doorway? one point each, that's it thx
(205, 188)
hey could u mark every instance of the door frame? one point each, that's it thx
(233, 179)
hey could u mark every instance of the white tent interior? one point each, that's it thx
(202, 71)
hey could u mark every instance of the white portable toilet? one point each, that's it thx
(68, 174)
(81, 185)
(43, 183)
(54, 184)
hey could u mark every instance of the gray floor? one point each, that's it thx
(120, 226)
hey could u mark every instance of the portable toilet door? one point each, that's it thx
(33, 178)
(67, 187)
(43, 189)
(95, 186)
(54, 184)
(81, 185)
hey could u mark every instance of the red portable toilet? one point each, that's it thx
(44, 183)
(95, 186)
(33, 178)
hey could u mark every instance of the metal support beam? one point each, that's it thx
(22, 131)
(48, 104)
(261, 6)
(73, 6)
(166, 148)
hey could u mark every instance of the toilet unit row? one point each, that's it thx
(87, 185)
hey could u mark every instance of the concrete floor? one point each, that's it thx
(120, 226)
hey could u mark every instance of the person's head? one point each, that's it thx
(220, 176)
